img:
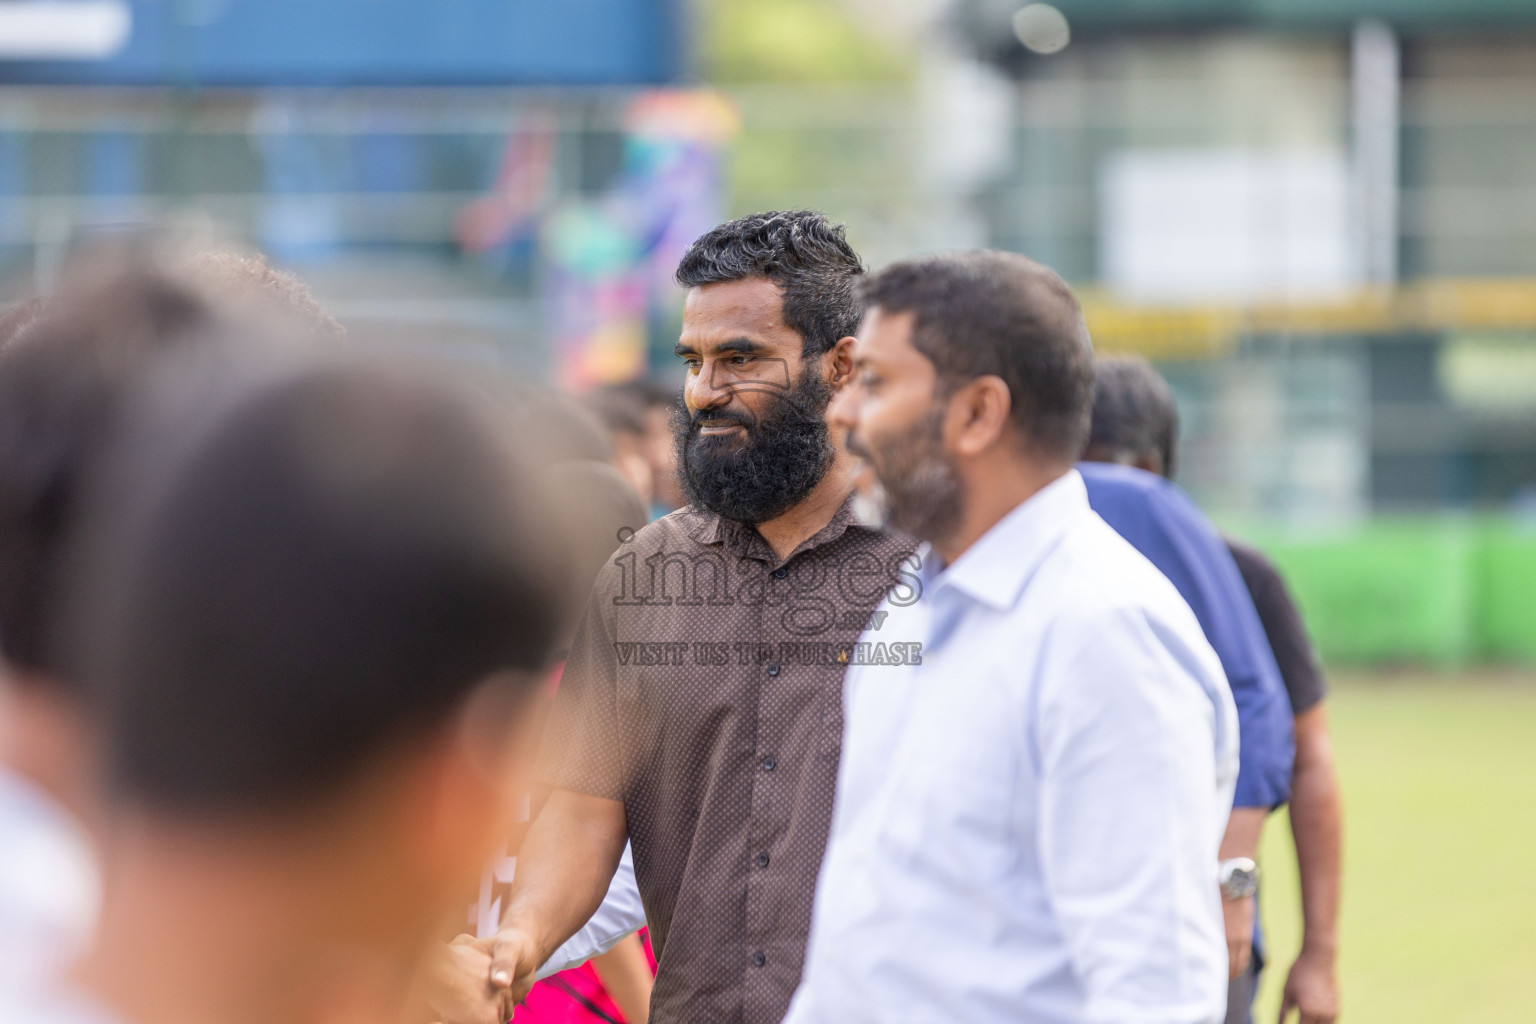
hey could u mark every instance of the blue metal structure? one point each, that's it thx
(251, 43)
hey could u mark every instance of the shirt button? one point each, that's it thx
(758, 959)
(780, 573)
(762, 859)
(773, 670)
(769, 764)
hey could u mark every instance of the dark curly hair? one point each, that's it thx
(803, 253)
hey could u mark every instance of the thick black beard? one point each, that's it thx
(752, 479)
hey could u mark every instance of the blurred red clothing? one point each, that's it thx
(576, 996)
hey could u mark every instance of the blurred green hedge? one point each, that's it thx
(1446, 592)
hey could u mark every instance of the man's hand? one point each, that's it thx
(1238, 915)
(510, 965)
(1311, 989)
(459, 992)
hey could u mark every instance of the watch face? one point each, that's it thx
(1241, 883)
(1239, 880)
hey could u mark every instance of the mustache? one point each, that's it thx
(723, 414)
(793, 407)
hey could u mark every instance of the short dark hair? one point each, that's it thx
(65, 362)
(998, 313)
(282, 580)
(60, 381)
(1134, 412)
(656, 394)
(802, 252)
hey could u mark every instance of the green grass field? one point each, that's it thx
(1439, 919)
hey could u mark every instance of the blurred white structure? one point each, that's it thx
(1376, 71)
(1225, 225)
(63, 29)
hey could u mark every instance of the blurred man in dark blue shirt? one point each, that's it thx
(1249, 618)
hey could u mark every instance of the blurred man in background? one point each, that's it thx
(661, 401)
(699, 715)
(622, 415)
(313, 605)
(1135, 423)
(1028, 818)
(1161, 522)
(638, 415)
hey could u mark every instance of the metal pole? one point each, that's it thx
(1376, 75)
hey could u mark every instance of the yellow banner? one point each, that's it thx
(1195, 332)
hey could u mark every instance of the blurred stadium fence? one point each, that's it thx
(1445, 591)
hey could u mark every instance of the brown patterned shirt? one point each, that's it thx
(704, 690)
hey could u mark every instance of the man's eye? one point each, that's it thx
(692, 362)
(740, 360)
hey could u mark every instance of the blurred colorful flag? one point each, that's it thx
(611, 261)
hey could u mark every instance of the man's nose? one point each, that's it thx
(701, 393)
(843, 410)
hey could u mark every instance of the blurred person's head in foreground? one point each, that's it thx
(64, 366)
(552, 427)
(61, 362)
(62, 373)
(768, 322)
(66, 360)
(247, 284)
(314, 605)
(973, 388)
(1135, 417)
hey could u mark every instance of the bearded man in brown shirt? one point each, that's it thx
(700, 713)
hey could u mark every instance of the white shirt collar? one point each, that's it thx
(995, 569)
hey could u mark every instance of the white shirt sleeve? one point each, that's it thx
(620, 914)
(1125, 737)
(50, 889)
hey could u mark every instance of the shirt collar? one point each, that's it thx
(995, 569)
(743, 540)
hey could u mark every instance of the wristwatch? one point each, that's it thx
(1238, 877)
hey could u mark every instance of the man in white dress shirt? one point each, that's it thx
(1027, 821)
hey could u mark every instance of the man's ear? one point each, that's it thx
(839, 362)
(979, 415)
